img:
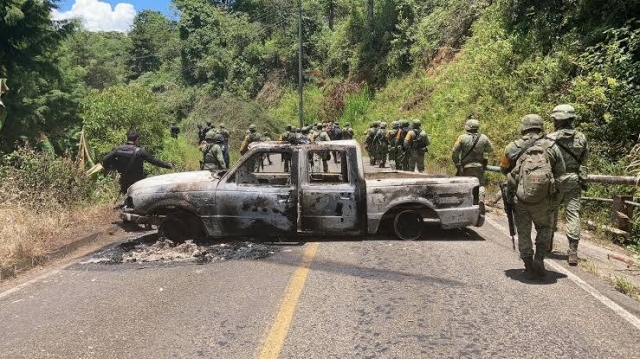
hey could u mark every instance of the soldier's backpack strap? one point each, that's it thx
(567, 150)
(133, 157)
(475, 142)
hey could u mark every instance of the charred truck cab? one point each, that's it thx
(253, 200)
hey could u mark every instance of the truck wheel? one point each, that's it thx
(180, 226)
(408, 225)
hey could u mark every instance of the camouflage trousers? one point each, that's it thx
(569, 195)
(541, 214)
(381, 157)
(373, 152)
(416, 159)
(477, 172)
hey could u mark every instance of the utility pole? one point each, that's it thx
(300, 105)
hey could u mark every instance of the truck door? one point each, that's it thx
(328, 193)
(258, 199)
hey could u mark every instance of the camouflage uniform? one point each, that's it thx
(212, 156)
(369, 143)
(225, 146)
(253, 136)
(574, 148)
(321, 162)
(391, 139)
(417, 143)
(402, 153)
(286, 158)
(541, 214)
(266, 137)
(469, 158)
(382, 140)
(347, 132)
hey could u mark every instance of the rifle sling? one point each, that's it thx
(567, 150)
(475, 142)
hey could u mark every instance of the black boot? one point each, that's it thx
(528, 268)
(538, 261)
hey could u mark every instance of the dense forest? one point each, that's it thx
(440, 61)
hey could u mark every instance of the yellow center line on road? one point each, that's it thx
(275, 337)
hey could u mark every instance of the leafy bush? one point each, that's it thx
(39, 181)
(110, 114)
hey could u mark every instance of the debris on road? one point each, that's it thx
(164, 250)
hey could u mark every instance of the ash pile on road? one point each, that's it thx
(164, 250)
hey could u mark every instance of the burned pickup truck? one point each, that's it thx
(270, 202)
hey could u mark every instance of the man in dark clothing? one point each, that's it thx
(128, 160)
(175, 130)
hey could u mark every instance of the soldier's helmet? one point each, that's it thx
(376, 124)
(319, 126)
(132, 135)
(252, 127)
(416, 123)
(305, 130)
(563, 112)
(222, 125)
(348, 124)
(531, 121)
(199, 125)
(472, 125)
(404, 123)
(383, 124)
(211, 136)
(288, 128)
(266, 134)
(208, 123)
(218, 138)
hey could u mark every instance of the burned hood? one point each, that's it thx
(175, 182)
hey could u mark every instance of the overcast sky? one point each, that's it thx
(107, 15)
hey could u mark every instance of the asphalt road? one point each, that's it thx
(456, 294)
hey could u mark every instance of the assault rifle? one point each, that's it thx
(508, 209)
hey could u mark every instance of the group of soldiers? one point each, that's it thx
(545, 171)
(318, 132)
(214, 145)
(406, 144)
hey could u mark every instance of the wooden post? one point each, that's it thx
(621, 214)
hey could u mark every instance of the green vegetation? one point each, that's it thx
(440, 61)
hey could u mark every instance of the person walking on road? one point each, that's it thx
(417, 143)
(128, 161)
(574, 148)
(468, 152)
(382, 145)
(532, 164)
(225, 145)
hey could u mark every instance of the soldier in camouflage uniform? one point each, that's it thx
(402, 153)
(286, 157)
(574, 148)
(266, 137)
(212, 156)
(417, 143)
(540, 213)
(369, 142)
(468, 151)
(347, 132)
(253, 136)
(382, 140)
(225, 146)
(391, 138)
(321, 161)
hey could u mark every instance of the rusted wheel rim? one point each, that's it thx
(408, 225)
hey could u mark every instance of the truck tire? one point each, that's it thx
(408, 225)
(180, 226)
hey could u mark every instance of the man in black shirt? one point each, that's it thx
(128, 160)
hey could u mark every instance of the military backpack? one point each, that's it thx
(533, 174)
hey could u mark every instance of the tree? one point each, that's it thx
(151, 37)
